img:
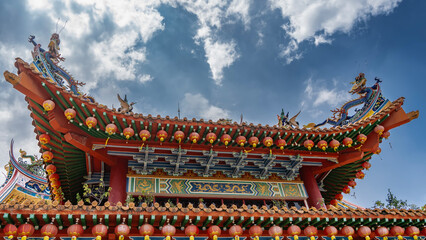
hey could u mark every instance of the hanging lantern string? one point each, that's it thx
(106, 142)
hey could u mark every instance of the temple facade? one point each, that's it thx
(112, 173)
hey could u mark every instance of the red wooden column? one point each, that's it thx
(117, 182)
(314, 195)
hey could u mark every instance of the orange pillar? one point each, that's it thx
(117, 182)
(314, 195)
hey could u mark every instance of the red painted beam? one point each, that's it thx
(117, 182)
(315, 198)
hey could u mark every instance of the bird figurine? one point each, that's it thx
(125, 106)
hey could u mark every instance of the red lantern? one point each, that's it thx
(334, 144)
(339, 197)
(25, 230)
(386, 134)
(128, 132)
(322, 145)
(361, 138)
(294, 231)
(352, 183)
(281, 143)
(191, 231)
(179, 136)
(331, 231)
(194, 137)
(168, 231)
(276, 232)
(334, 202)
(346, 190)
(397, 231)
(379, 129)
(360, 175)
(91, 122)
(47, 156)
(255, 231)
(48, 231)
(268, 141)
(54, 177)
(48, 105)
(211, 137)
(111, 129)
(347, 142)
(253, 141)
(226, 139)
(308, 144)
(74, 231)
(412, 231)
(144, 134)
(70, 113)
(122, 230)
(50, 169)
(10, 231)
(55, 184)
(146, 230)
(364, 232)
(99, 231)
(235, 231)
(162, 135)
(311, 232)
(348, 231)
(366, 165)
(214, 231)
(382, 232)
(241, 140)
(44, 138)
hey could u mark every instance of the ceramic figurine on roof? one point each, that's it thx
(125, 106)
(371, 97)
(284, 121)
(47, 62)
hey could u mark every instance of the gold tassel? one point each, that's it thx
(140, 149)
(214, 237)
(146, 237)
(415, 237)
(73, 237)
(106, 142)
(237, 237)
(46, 238)
(98, 237)
(168, 238)
(333, 237)
(277, 237)
(385, 238)
(367, 238)
(400, 237)
(350, 238)
(256, 238)
(121, 237)
(24, 238)
(312, 238)
(296, 237)
(10, 236)
(191, 237)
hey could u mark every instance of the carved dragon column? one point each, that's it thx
(117, 182)
(315, 198)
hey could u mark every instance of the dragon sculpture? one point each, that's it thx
(47, 62)
(371, 97)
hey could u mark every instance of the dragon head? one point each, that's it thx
(358, 84)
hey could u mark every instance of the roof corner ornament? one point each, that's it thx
(371, 97)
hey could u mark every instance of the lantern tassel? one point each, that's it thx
(24, 238)
(191, 237)
(121, 237)
(277, 237)
(98, 237)
(140, 149)
(385, 238)
(146, 237)
(367, 238)
(10, 236)
(415, 237)
(350, 238)
(73, 237)
(256, 238)
(296, 237)
(312, 238)
(168, 238)
(214, 237)
(237, 237)
(333, 237)
(46, 238)
(106, 142)
(400, 237)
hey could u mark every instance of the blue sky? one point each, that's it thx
(221, 59)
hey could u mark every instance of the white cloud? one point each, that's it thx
(196, 105)
(241, 9)
(145, 78)
(219, 55)
(316, 20)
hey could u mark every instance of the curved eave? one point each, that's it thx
(22, 170)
